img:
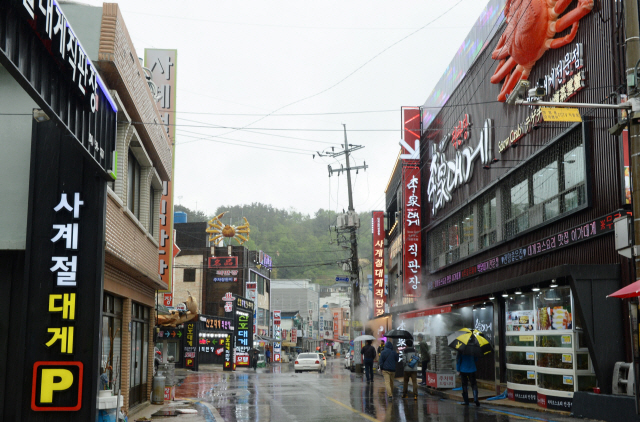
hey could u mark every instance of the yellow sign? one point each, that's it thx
(555, 114)
(526, 338)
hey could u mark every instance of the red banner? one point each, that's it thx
(377, 228)
(294, 335)
(336, 328)
(412, 236)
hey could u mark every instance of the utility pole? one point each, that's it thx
(354, 278)
(632, 43)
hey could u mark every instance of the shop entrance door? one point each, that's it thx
(139, 355)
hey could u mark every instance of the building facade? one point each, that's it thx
(133, 200)
(518, 212)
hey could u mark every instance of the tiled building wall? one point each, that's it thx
(116, 47)
(128, 240)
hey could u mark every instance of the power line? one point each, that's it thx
(353, 72)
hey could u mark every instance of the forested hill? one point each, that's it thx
(300, 245)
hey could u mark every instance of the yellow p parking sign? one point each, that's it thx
(57, 386)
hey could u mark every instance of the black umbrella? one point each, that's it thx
(399, 334)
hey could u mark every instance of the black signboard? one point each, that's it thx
(242, 313)
(55, 367)
(557, 241)
(212, 331)
(556, 403)
(225, 262)
(483, 321)
(190, 334)
(39, 48)
(229, 365)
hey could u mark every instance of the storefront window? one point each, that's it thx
(520, 313)
(587, 382)
(111, 336)
(582, 361)
(555, 341)
(521, 358)
(518, 376)
(556, 382)
(519, 208)
(555, 360)
(548, 186)
(520, 341)
(554, 309)
(488, 221)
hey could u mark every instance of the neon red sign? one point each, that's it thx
(412, 236)
(378, 263)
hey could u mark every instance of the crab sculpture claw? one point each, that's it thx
(531, 28)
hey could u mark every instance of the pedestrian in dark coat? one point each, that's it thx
(387, 363)
(368, 356)
(425, 357)
(466, 367)
(267, 355)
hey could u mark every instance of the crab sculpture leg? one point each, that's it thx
(502, 52)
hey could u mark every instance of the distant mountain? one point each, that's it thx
(300, 245)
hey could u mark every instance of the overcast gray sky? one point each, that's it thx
(238, 61)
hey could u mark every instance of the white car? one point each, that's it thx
(309, 362)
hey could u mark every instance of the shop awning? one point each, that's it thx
(265, 338)
(288, 344)
(632, 290)
(425, 312)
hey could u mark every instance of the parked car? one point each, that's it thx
(309, 362)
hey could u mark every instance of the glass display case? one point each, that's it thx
(545, 350)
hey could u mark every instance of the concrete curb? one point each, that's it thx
(508, 404)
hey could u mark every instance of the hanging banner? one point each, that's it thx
(191, 345)
(412, 236)
(377, 229)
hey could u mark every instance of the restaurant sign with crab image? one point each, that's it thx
(532, 26)
(220, 233)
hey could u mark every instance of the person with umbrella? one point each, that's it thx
(253, 357)
(387, 363)
(368, 355)
(470, 345)
(466, 367)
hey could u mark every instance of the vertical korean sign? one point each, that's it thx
(191, 345)
(243, 325)
(65, 256)
(412, 236)
(162, 64)
(378, 263)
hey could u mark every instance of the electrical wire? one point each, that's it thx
(354, 71)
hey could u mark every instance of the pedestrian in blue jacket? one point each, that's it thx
(387, 363)
(466, 367)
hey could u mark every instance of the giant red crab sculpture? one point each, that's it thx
(531, 28)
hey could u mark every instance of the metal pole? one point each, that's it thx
(632, 42)
(355, 264)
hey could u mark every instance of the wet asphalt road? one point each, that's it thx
(276, 393)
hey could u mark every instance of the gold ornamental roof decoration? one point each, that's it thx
(219, 231)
